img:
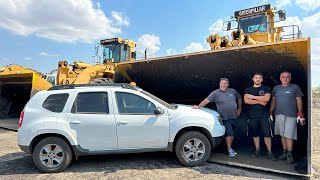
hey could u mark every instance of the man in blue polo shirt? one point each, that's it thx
(229, 105)
(287, 106)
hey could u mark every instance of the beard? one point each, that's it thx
(257, 83)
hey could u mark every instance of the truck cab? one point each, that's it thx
(116, 50)
(257, 25)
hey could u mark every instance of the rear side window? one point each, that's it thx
(55, 102)
(91, 103)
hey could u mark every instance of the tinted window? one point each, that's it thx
(133, 104)
(91, 102)
(253, 24)
(55, 102)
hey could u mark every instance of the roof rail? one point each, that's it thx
(73, 86)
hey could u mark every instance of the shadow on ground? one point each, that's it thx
(109, 164)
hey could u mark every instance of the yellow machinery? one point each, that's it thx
(255, 45)
(17, 85)
(114, 51)
(254, 25)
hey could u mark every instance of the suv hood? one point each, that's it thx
(187, 110)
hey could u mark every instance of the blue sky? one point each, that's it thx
(39, 33)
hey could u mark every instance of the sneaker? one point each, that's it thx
(289, 158)
(271, 156)
(256, 154)
(283, 156)
(230, 153)
(235, 153)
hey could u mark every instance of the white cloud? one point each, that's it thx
(309, 26)
(48, 55)
(282, 3)
(119, 18)
(291, 20)
(315, 69)
(150, 42)
(218, 26)
(308, 5)
(194, 47)
(28, 58)
(63, 21)
(171, 52)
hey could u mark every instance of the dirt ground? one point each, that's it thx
(15, 164)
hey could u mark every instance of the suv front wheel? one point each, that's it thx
(193, 148)
(52, 155)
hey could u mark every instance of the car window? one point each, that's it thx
(133, 104)
(55, 102)
(157, 99)
(91, 103)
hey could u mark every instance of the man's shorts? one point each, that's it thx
(286, 126)
(260, 125)
(230, 125)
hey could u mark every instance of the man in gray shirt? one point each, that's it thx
(286, 100)
(229, 105)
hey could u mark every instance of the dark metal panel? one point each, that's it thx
(189, 78)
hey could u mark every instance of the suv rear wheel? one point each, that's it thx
(193, 148)
(52, 154)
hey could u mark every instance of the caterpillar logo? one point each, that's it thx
(253, 10)
(107, 41)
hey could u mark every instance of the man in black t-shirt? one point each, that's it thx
(257, 98)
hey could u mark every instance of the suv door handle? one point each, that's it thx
(123, 122)
(75, 122)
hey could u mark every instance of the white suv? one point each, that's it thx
(75, 120)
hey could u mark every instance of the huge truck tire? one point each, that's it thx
(193, 148)
(52, 155)
(101, 81)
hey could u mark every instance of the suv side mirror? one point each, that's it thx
(282, 15)
(158, 111)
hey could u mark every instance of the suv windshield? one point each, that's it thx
(253, 24)
(157, 99)
(114, 53)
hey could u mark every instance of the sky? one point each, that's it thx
(39, 33)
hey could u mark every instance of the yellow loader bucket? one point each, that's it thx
(16, 88)
(189, 78)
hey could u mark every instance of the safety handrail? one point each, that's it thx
(293, 35)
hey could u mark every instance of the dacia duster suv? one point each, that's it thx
(68, 121)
